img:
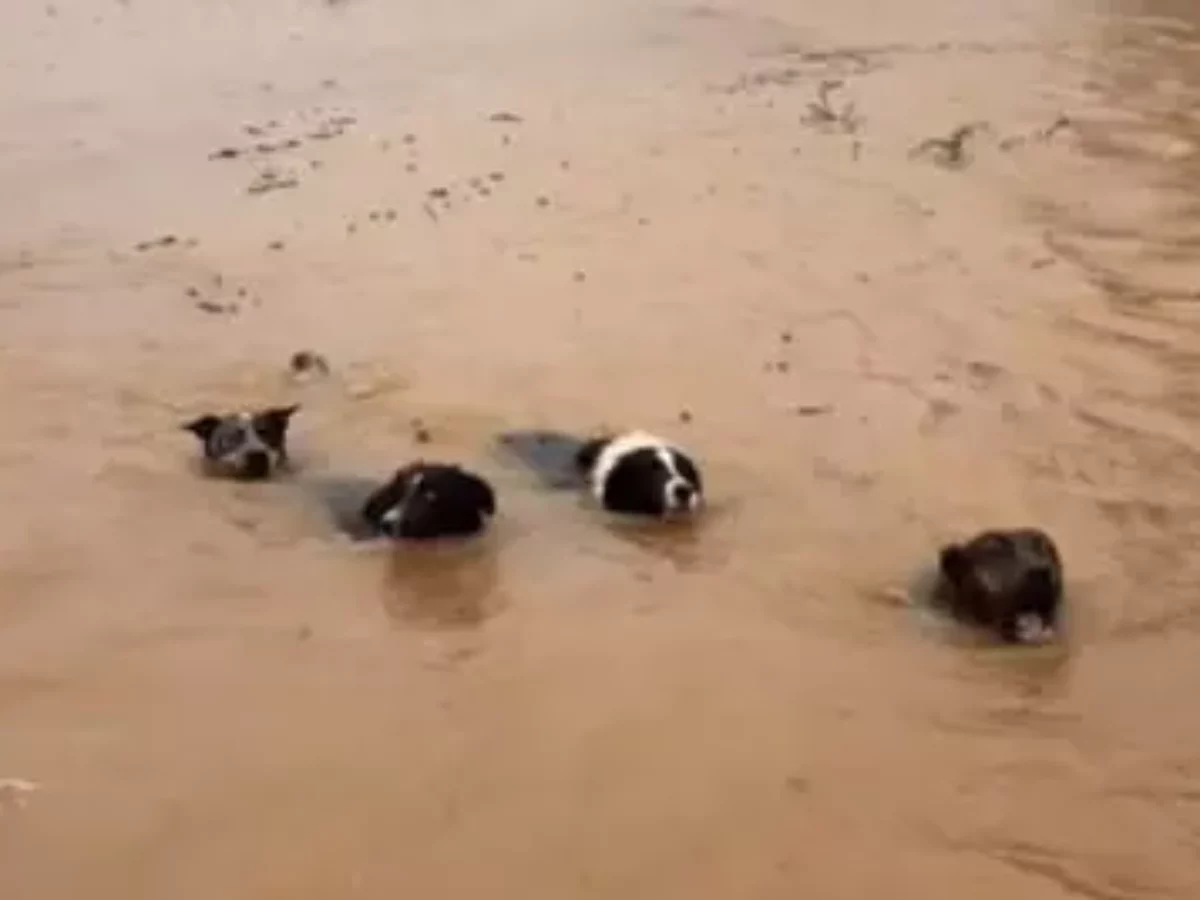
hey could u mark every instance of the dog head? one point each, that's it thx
(429, 500)
(1009, 581)
(642, 474)
(248, 445)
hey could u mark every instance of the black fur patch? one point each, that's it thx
(999, 576)
(430, 500)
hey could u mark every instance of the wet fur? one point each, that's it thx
(430, 500)
(1000, 578)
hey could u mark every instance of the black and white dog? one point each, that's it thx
(430, 500)
(248, 445)
(640, 474)
(1007, 581)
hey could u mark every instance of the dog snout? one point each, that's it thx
(682, 494)
(256, 464)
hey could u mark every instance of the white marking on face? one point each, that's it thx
(396, 513)
(675, 481)
(620, 447)
(252, 441)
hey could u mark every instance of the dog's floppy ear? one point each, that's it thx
(203, 427)
(275, 421)
(387, 497)
(953, 562)
(586, 456)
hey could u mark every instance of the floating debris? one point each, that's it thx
(271, 180)
(504, 116)
(822, 113)
(308, 362)
(167, 240)
(814, 409)
(949, 152)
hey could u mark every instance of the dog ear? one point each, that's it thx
(274, 422)
(586, 456)
(953, 562)
(386, 497)
(203, 427)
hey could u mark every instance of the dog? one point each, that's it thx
(1007, 581)
(250, 445)
(636, 473)
(430, 500)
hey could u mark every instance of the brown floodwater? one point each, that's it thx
(574, 215)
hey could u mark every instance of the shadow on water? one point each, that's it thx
(549, 455)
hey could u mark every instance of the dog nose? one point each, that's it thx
(681, 494)
(257, 464)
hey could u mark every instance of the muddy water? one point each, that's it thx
(577, 215)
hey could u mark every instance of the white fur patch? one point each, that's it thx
(396, 513)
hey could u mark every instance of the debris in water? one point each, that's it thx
(949, 152)
(504, 116)
(308, 362)
(271, 180)
(225, 153)
(167, 240)
(814, 409)
(823, 112)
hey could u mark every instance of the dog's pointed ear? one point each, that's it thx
(275, 421)
(953, 562)
(203, 427)
(586, 455)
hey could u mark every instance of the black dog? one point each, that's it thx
(640, 474)
(1008, 581)
(430, 500)
(247, 445)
